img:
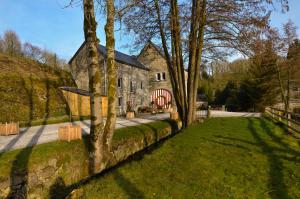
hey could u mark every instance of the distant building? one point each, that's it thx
(143, 80)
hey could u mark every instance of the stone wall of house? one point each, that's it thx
(79, 69)
(154, 60)
(139, 96)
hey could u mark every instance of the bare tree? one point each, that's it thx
(290, 35)
(192, 32)
(1, 45)
(12, 44)
(31, 51)
(282, 44)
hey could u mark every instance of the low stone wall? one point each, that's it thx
(46, 179)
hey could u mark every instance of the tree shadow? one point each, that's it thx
(279, 149)
(277, 139)
(19, 170)
(275, 154)
(124, 183)
(277, 187)
(239, 146)
(58, 189)
(131, 190)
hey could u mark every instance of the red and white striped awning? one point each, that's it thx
(161, 97)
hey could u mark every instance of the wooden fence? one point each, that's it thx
(9, 129)
(69, 132)
(79, 102)
(290, 119)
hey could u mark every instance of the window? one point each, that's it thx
(131, 86)
(142, 86)
(142, 100)
(163, 76)
(120, 101)
(119, 82)
(158, 76)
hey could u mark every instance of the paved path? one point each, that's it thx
(234, 114)
(47, 133)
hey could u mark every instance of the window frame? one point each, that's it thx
(120, 101)
(158, 77)
(120, 82)
(163, 76)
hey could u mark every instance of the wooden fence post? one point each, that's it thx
(208, 112)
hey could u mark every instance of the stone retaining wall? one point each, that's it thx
(45, 179)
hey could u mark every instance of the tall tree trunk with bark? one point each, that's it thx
(284, 92)
(186, 102)
(100, 136)
(196, 48)
(111, 73)
(174, 62)
(90, 25)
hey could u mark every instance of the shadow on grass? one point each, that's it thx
(19, 177)
(59, 190)
(129, 188)
(277, 187)
(275, 150)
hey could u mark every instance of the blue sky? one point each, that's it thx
(47, 24)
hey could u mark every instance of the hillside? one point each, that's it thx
(29, 90)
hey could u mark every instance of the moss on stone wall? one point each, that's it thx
(57, 166)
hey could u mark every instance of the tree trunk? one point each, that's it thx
(186, 102)
(100, 136)
(196, 46)
(172, 68)
(178, 59)
(111, 74)
(96, 153)
(282, 90)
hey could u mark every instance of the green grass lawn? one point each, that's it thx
(222, 158)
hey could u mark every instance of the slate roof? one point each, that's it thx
(119, 57)
(123, 58)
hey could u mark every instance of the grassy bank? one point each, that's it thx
(222, 158)
(68, 162)
(30, 91)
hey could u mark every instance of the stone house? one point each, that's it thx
(143, 80)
